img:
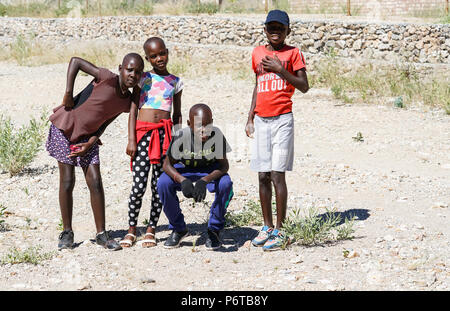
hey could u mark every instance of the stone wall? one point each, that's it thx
(370, 7)
(419, 43)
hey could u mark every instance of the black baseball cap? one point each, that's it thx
(278, 16)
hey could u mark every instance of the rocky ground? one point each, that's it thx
(396, 182)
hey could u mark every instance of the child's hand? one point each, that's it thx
(249, 129)
(272, 64)
(187, 187)
(68, 100)
(199, 190)
(79, 150)
(131, 149)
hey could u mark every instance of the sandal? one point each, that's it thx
(151, 240)
(127, 242)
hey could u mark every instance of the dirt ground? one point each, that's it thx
(396, 182)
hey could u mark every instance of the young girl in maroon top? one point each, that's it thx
(73, 138)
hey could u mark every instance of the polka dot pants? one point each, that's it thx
(141, 168)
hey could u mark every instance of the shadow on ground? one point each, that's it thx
(232, 238)
(357, 214)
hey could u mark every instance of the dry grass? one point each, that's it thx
(27, 51)
(46, 9)
(367, 83)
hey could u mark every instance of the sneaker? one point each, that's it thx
(65, 239)
(213, 241)
(263, 236)
(276, 241)
(175, 238)
(104, 240)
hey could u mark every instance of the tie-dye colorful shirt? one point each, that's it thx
(157, 91)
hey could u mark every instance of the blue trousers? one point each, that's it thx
(167, 190)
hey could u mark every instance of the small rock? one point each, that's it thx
(291, 277)
(242, 193)
(418, 226)
(310, 281)
(439, 205)
(352, 254)
(147, 280)
(84, 286)
(389, 238)
(296, 260)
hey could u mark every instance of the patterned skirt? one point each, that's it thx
(58, 147)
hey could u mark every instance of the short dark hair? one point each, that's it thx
(134, 56)
(153, 39)
(200, 106)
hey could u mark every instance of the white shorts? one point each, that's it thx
(273, 144)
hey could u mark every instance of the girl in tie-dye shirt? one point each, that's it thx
(149, 135)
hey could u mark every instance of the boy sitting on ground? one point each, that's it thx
(197, 154)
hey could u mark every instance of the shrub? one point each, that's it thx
(250, 215)
(3, 225)
(196, 7)
(31, 255)
(21, 49)
(372, 84)
(314, 229)
(3, 10)
(19, 147)
(146, 8)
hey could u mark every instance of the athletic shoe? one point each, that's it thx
(175, 238)
(104, 240)
(65, 239)
(213, 241)
(276, 241)
(263, 236)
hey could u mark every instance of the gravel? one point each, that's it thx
(396, 183)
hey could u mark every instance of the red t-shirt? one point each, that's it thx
(103, 103)
(273, 92)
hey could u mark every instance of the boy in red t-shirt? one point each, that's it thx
(279, 69)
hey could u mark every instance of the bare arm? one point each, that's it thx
(249, 128)
(83, 148)
(299, 81)
(216, 174)
(176, 116)
(172, 171)
(76, 64)
(132, 141)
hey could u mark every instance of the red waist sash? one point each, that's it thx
(154, 150)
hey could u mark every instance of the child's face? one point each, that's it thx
(157, 54)
(130, 72)
(276, 33)
(201, 124)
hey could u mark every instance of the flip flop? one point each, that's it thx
(127, 242)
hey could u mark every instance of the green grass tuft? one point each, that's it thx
(315, 229)
(31, 255)
(18, 147)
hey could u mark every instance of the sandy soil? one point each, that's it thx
(396, 183)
